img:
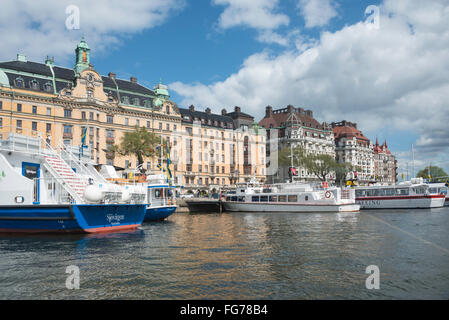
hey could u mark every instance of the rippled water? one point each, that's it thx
(240, 256)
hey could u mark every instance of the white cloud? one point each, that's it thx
(257, 14)
(317, 13)
(393, 77)
(38, 28)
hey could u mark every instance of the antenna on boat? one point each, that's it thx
(413, 162)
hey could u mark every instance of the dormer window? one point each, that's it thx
(48, 87)
(19, 83)
(136, 101)
(34, 84)
(125, 100)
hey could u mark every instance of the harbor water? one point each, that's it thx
(239, 256)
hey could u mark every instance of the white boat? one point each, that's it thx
(290, 197)
(412, 194)
(41, 192)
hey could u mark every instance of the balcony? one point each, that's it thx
(110, 140)
(67, 135)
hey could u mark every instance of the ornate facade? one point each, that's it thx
(59, 104)
(292, 127)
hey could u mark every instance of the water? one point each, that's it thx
(240, 256)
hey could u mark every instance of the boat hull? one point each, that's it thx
(298, 208)
(159, 213)
(70, 218)
(405, 202)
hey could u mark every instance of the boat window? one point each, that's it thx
(389, 192)
(241, 199)
(233, 198)
(379, 192)
(273, 199)
(266, 190)
(228, 198)
(359, 193)
(255, 199)
(370, 193)
(293, 198)
(307, 198)
(282, 198)
(433, 190)
(402, 191)
(264, 199)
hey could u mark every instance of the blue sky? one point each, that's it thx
(316, 54)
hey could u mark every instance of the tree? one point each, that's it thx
(321, 165)
(140, 143)
(432, 172)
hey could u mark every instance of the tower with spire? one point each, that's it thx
(82, 57)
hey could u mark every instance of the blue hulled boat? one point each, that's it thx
(44, 191)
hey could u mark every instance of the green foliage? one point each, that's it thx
(140, 143)
(321, 165)
(434, 172)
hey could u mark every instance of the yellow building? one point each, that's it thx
(59, 104)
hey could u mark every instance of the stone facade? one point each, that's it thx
(59, 103)
(294, 127)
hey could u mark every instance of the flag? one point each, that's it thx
(83, 137)
(447, 183)
(169, 175)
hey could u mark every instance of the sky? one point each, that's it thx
(383, 64)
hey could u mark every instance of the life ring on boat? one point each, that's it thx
(328, 194)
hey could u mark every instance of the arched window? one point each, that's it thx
(48, 86)
(34, 84)
(19, 83)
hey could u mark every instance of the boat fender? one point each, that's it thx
(328, 194)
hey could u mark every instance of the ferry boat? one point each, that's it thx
(41, 192)
(290, 197)
(159, 195)
(412, 194)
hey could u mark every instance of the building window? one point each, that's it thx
(48, 111)
(1, 122)
(34, 126)
(168, 127)
(83, 115)
(110, 119)
(19, 82)
(137, 122)
(148, 124)
(19, 124)
(136, 102)
(67, 113)
(160, 125)
(48, 87)
(1, 105)
(48, 127)
(34, 84)
(90, 94)
(174, 127)
(67, 129)
(34, 109)
(126, 121)
(19, 107)
(91, 115)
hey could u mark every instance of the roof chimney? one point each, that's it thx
(111, 75)
(223, 112)
(192, 108)
(208, 111)
(237, 109)
(133, 79)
